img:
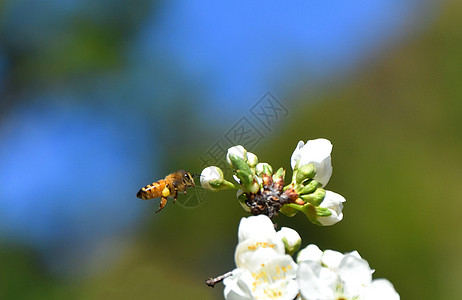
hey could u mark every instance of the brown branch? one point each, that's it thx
(212, 281)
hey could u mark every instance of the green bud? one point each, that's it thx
(290, 238)
(245, 178)
(304, 172)
(239, 164)
(263, 168)
(248, 182)
(254, 188)
(291, 249)
(287, 187)
(310, 187)
(252, 159)
(238, 151)
(315, 198)
(279, 173)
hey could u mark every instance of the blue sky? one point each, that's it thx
(237, 50)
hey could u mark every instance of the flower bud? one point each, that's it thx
(212, 179)
(252, 159)
(247, 180)
(291, 239)
(332, 204)
(263, 168)
(238, 163)
(238, 151)
(280, 173)
(255, 187)
(316, 152)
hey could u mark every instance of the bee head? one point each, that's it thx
(188, 179)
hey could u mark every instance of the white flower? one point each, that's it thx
(264, 270)
(333, 202)
(239, 151)
(211, 174)
(333, 275)
(316, 152)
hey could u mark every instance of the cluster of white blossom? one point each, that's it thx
(312, 169)
(266, 270)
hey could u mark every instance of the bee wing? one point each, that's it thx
(178, 178)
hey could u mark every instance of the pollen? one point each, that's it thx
(165, 192)
(260, 245)
(273, 293)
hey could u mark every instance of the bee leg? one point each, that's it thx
(175, 195)
(163, 202)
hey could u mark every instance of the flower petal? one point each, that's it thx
(355, 273)
(251, 253)
(332, 259)
(380, 289)
(255, 227)
(315, 281)
(237, 285)
(310, 252)
(296, 155)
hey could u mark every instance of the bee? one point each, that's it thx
(167, 187)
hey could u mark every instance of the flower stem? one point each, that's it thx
(212, 281)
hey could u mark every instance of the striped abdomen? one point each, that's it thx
(151, 191)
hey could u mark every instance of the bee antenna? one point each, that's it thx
(196, 175)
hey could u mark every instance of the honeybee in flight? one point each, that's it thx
(167, 187)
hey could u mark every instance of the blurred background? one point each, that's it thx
(99, 98)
